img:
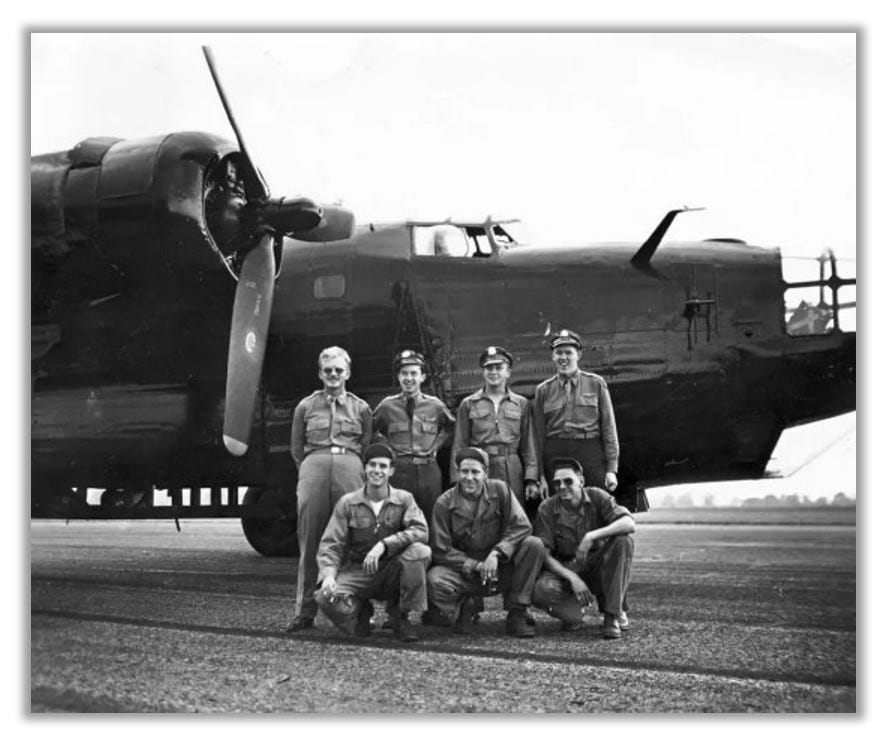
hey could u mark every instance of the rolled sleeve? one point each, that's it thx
(415, 529)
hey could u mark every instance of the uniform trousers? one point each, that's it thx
(515, 578)
(422, 481)
(607, 572)
(323, 478)
(400, 582)
(587, 451)
(508, 467)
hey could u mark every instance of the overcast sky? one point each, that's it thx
(585, 137)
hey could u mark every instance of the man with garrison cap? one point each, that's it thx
(415, 426)
(374, 547)
(330, 430)
(498, 421)
(481, 545)
(590, 549)
(573, 417)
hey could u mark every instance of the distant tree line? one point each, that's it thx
(790, 500)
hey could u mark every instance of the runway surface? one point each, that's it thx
(136, 617)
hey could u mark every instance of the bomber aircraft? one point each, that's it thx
(177, 310)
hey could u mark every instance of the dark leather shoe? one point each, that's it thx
(464, 624)
(298, 623)
(518, 626)
(405, 631)
(611, 628)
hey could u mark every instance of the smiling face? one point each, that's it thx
(472, 477)
(411, 378)
(496, 374)
(334, 372)
(378, 471)
(568, 485)
(565, 358)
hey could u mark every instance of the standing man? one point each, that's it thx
(415, 426)
(330, 430)
(481, 546)
(573, 417)
(590, 549)
(374, 547)
(498, 421)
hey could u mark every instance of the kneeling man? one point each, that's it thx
(374, 547)
(589, 546)
(481, 545)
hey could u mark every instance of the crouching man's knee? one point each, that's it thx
(416, 551)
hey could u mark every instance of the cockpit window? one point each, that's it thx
(460, 240)
(820, 294)
(440, 241)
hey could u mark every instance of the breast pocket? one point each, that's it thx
(554, 402)
(481, 421)
(317, 425)
(362, 528)
(428, 424)
(348, 427)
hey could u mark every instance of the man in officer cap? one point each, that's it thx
(330, 430)
(498, 421)
(415, 426)
(573, 416)
(481, 545)
(590, 549)
(374, 547)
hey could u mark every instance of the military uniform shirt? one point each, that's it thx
(318, 425)
(421, 436)
(465, 530)
(584, 411)
(561, 527)
(478, 424)
(354, 528)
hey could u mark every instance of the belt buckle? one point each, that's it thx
(336, 449)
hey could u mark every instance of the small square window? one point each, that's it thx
(329, 286)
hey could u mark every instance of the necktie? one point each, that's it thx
(410, 406)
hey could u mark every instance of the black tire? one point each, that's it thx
(276, 536)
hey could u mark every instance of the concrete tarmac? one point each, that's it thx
(137, 617)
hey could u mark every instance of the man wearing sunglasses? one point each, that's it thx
(481, 546)
(415, 426)
(573, 416)
(590, 549)
(374, 548)
(330, 430)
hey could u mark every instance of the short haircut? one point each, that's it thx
(328, 354)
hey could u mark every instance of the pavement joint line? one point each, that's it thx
(452, 649)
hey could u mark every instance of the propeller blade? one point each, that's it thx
(248, 340)
(255, 186)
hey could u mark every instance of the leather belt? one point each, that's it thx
(496, 449)
(574, 437)
(414, 459)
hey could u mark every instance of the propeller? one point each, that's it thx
(261, 221)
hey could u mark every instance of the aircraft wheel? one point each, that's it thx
(119, 499)
(274, 536)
